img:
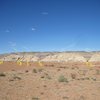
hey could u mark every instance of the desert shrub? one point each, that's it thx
(97, 72)
(82, 98)
(46, 76)
(73, 76)
(40, 70)
(34, 71)
(62, 79)
(94, 79)
(35, 98)
(42, 76)
(26, 71)
(11, 80)
(37, 70)
(65, 98)
(2, 74)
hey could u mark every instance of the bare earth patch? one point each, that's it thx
(53, 81)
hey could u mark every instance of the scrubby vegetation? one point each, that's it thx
(62, 79)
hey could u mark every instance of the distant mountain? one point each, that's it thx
(67, 56)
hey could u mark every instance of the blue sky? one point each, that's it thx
(49, 25)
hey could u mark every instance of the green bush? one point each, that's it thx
(62, 79)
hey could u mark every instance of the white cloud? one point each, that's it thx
(26, 48)
(7, 31)
(88, 49)
(72, 45)
(44, 13)
(12, 45)
(33, 29)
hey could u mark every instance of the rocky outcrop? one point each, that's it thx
(66, 57)
(95, 58)
(53, 56)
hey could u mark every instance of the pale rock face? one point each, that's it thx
(26, 58)
(30, 58)
(11, 57)
(55, 57)
(65, 57)
(14, 57)
(35, 58)
(95, 58)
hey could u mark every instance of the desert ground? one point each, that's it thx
(48, 76)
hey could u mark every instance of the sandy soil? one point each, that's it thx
(52, 81)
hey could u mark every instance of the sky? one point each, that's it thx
(49, 25)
